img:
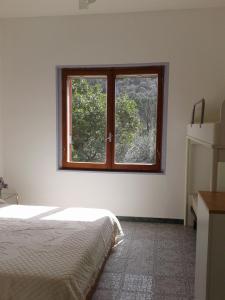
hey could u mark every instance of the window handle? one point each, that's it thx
(109, 138)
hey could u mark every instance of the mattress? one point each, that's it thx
(49, 253)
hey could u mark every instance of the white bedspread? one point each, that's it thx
(52, 253)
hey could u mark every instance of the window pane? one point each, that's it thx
(136, 119)
(89, 94)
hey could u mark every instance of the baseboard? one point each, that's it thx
(151, 220)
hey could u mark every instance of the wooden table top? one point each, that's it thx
(215, 201)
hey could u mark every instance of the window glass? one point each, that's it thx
(136, 119)
(88, 109)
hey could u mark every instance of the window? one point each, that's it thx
(112, 118)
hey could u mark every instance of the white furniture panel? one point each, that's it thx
(201, 252)
(210, 248)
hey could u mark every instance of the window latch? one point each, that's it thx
(109, 138)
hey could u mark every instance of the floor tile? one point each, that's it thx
(169, 244)
(170, 286)
(153, 262)
(171, 298)
(166, 268)
(140, 248)
(116, 265)
(171, 255)
(135, 296)
(110, 281)
(189, 270)
(122, 250)
(140, 265)
(137, 283)
(190, 287)
(105, 295)
(170, 234)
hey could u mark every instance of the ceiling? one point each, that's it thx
(31, 8)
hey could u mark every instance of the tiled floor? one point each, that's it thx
(154, 262)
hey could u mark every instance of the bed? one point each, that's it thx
(50, 253)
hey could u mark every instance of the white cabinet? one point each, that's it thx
(205, 161)
(210, 247)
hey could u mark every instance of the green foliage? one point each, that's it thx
(142, 149)
(88, 121)
(143, 90)
(127, 125)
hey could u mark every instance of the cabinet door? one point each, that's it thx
(216, 257)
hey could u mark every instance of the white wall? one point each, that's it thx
(193, 44)
(1, 121)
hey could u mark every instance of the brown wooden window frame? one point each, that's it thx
(110, 73)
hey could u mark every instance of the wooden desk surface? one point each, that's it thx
(215, 201)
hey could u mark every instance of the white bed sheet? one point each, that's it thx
(51, 253)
